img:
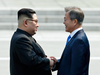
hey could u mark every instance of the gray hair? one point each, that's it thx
(75, 13)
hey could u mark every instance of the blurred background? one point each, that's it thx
(51, 33)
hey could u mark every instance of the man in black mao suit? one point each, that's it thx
(76, 55)
(26, 55)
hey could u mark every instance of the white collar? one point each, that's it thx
(75, 31)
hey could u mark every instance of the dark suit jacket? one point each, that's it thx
(75, 58)
(26, 56)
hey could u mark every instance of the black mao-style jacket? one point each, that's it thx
(26, 56)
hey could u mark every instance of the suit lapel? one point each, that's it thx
(74, 37)
(66, 47)
(38, 49)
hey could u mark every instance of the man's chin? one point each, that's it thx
(65, 30)
(35, 32)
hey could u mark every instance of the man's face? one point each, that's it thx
(68, 23)
(32, 25)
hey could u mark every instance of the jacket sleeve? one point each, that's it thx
(77, 57)
(28, 57)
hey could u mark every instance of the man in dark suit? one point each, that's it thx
(26, 55)
(76, 55)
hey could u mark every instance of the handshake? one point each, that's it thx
(53, 61)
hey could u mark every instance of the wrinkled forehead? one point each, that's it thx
(66, 15)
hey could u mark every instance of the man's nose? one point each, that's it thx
(37, 25)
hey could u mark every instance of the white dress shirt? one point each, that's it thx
(74, 32)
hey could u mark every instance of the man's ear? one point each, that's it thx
(25, 23)
(75, 21)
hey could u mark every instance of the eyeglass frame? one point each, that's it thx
(36, 21)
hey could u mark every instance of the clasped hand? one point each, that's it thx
(53, 61)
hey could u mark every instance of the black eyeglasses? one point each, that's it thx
(36, 21)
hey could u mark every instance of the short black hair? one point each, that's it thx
(27, 12)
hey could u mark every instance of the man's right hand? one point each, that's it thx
(51, 62)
